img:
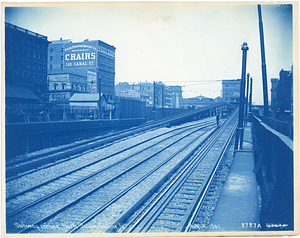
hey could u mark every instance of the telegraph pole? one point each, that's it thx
(250, 97)
(247, 93)
(240, 128)
(263, 63)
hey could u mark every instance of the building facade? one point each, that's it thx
(198, 101)
(26, 61)
(61, 87)
(88, 65)
(282, 96)
(168, 96)
(176, 96)
(231, 90)
(274, 93)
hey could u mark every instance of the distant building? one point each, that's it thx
(198, 101)
(219, 99)
(25, 65)
(231, 90)
(282, 96)
(86, 67)
(176, 96)
(274, 93)
(169, 96)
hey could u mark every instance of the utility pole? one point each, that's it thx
(250, 97)
(263, 63)
(240, 128)
(247, 93)
(98, 80)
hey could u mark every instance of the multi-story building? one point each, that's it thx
(25, 64)
(168, 96)
(87, 67)
(282, 96)
(176, 96)
(198, 101)
(231, 90)
(61, 87)
(274, 93)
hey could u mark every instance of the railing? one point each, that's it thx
(280, 126)
(273, 153)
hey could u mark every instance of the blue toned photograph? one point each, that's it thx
(150, 119)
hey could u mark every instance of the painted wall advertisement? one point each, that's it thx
(80, 55)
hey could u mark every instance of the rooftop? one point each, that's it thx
(25, 31)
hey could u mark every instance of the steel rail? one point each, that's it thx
(96, 173)
(174, 187)
(120, 220)
(109, 181)
(192, 216)
(106, 157)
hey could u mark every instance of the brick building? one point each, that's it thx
(80, 67)
(231, 90)
(26, 61)
(282, 96)
(25, 73)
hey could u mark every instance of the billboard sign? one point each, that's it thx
(80, 55)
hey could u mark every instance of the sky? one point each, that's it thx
(192, 44)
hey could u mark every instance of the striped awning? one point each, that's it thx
(19, 92)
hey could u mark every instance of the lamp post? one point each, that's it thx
(240, 128)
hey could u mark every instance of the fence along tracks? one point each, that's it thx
(22, 164)
(37, 207)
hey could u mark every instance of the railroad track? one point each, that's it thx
(86, 161)
(180, 204)
(81, 187)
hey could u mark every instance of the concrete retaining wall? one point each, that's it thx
(273, 153)
(28, 137)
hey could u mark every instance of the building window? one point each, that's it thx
(62, 57)
(50, 66)
(62, 49)
(61, 66)
(51, 58)
(51, 50)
